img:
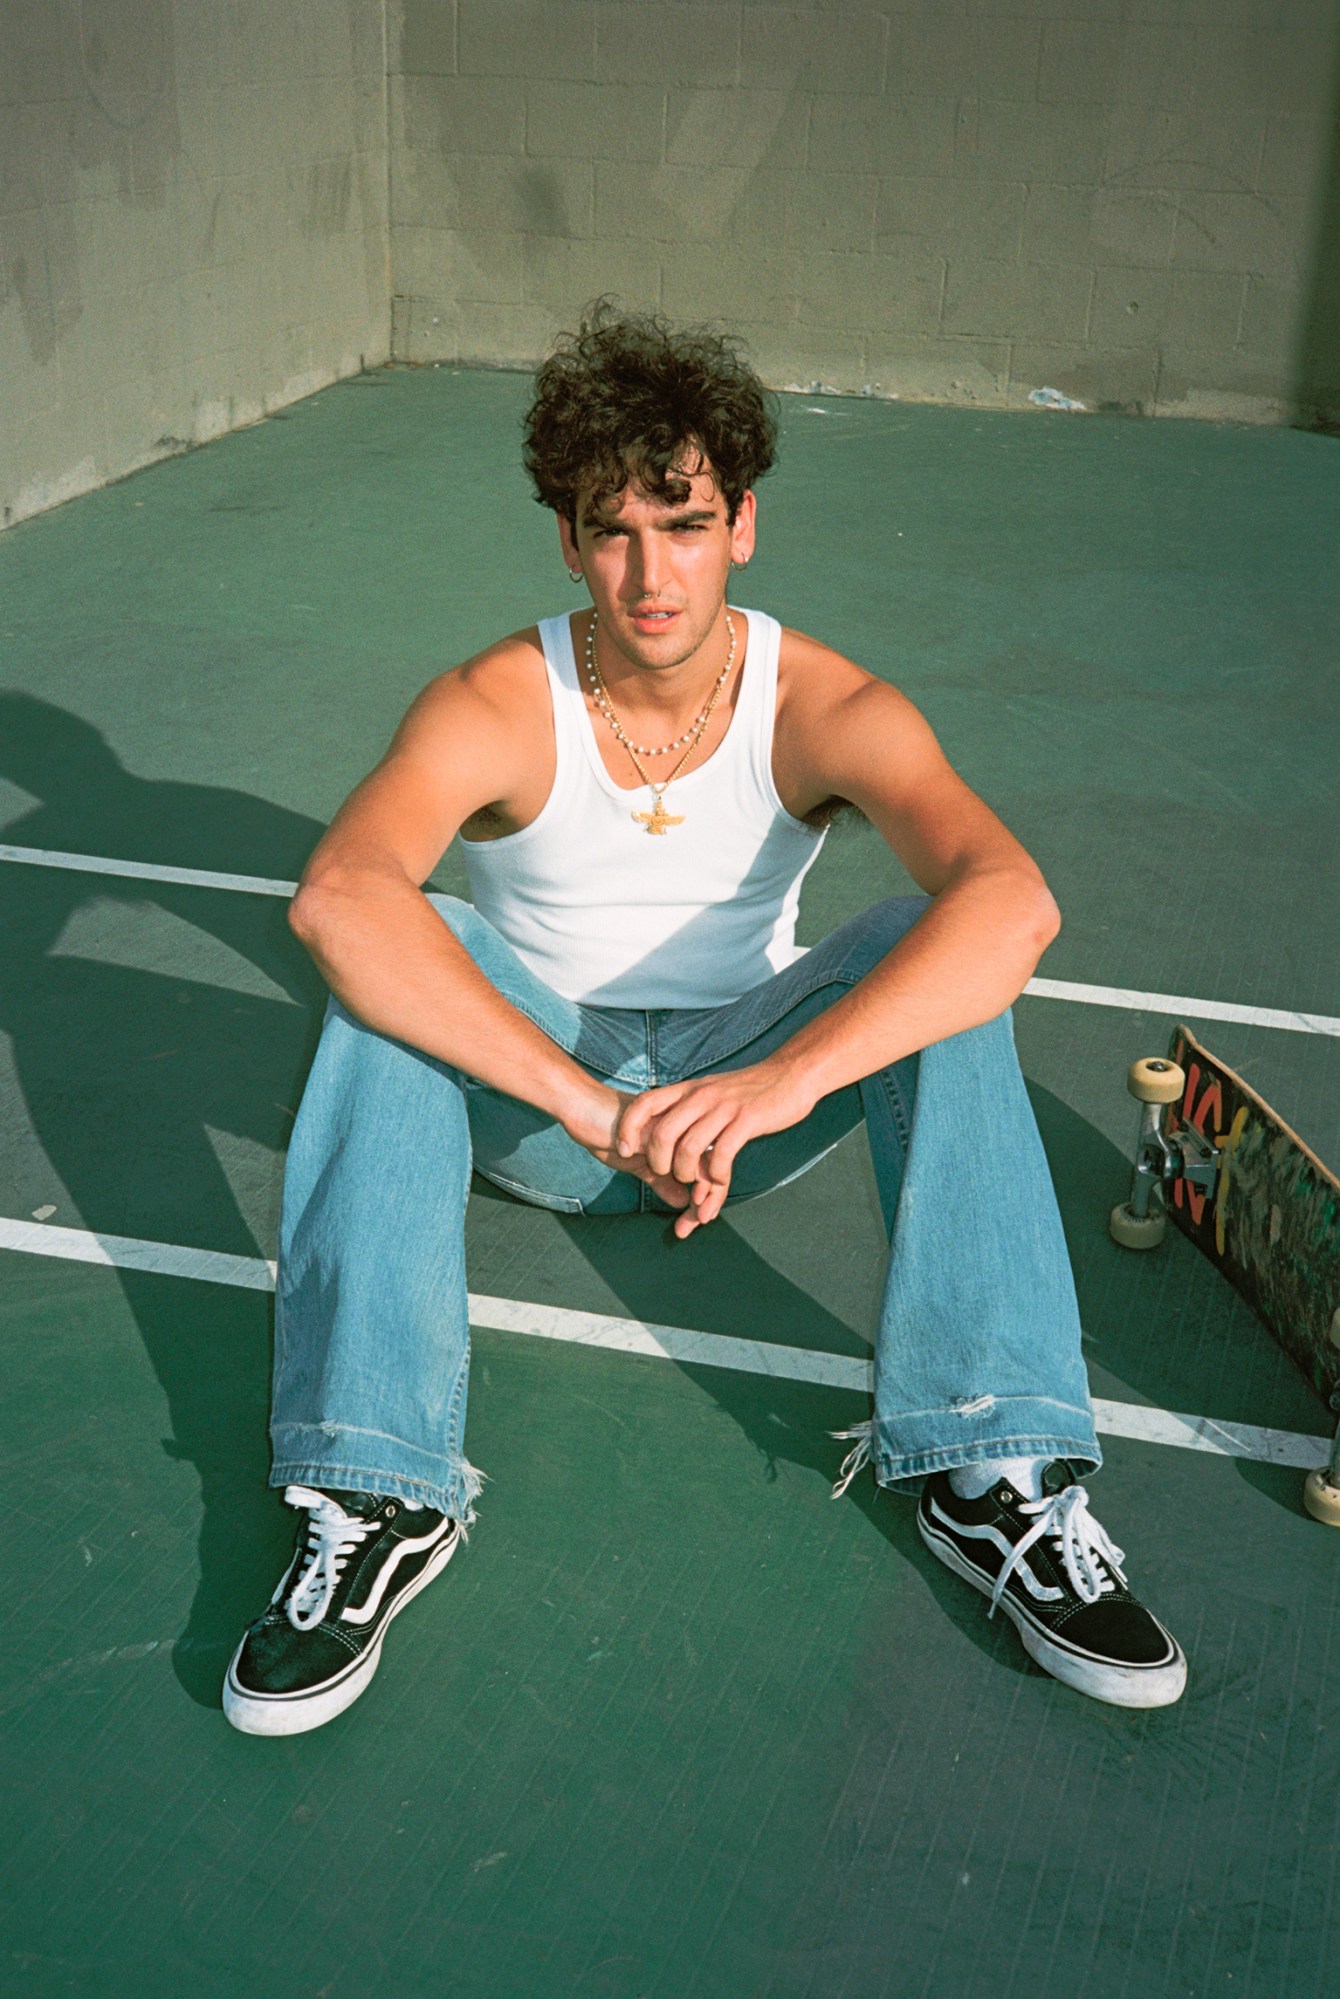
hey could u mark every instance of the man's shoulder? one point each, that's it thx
(495, 704)
(520, 652)
(505, 671)
(811, 673)
(829, 706)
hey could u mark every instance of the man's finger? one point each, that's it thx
(693, 1153)
(631, 1136)
(639, 1112)
(708, 1201)
(628, 1129)
(727, 1144)
(666, 1131)
(664, 1184)
(672, 1191)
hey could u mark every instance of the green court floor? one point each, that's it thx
(675, 1725)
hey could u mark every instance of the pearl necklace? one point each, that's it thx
(658, 819)
(600, 695)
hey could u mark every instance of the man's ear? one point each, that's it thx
(742, 530)
(567, 542)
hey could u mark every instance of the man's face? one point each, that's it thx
(657, 570)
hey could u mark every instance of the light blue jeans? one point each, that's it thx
(977, 1350)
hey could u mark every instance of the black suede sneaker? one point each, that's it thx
(358, 1561)
(1050, 1567)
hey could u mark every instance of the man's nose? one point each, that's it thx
(648, 563)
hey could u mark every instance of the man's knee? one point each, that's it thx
(353, 1055)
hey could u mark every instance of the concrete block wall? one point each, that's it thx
(193, 224)
(1132, 202)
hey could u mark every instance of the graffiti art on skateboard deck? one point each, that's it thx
(1271, 1221)
(1253, 1197)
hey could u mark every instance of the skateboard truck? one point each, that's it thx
(1161, 1156)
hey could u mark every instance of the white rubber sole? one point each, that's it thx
(294, 1714)
(1119, 1686)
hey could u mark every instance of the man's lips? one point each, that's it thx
(654, 618)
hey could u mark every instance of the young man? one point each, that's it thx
(623, 1020)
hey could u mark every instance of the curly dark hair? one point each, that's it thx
(629, 396)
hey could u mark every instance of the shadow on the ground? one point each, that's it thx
(131, 1076)
(134, 1079)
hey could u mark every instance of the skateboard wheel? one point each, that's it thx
(1136, 1231)
(1155, 1080)
(1322, 1499)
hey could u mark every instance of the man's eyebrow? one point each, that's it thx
(596, 517)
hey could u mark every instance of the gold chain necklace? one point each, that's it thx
(658, 819)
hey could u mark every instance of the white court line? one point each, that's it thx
(595, 1329)
(1175, 1005)
(1179, 1004)
(145, 871)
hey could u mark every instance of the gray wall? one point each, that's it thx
(1135, 202)
(192, 224)
(1130, 201)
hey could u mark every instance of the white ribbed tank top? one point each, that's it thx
(604, 911)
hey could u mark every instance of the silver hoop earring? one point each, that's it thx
(576, 575)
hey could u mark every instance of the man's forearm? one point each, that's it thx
(963, 962)
(390, 959)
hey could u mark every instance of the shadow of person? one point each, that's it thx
(155, 1090)
(1167, 1330)
(718, 1281)
(87, 802)
(140, 1080)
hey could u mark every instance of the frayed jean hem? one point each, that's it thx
(906, 1467)
(909, 1474)
(452, 1492)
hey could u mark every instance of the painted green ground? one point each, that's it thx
(675, 1726)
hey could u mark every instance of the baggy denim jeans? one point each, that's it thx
(977, 1349)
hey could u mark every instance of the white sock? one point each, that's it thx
(1024, 1474)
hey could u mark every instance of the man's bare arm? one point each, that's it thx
(989, 921)
(991, 916)
(360, 910)
(383, 949)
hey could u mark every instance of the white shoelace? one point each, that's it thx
(1090, 1558)
(857, 1458)
(332, 1537)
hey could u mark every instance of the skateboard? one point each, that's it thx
(1212, 1157)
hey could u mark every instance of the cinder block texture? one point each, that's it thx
(957, 199)
(206, 212)
(193, 226)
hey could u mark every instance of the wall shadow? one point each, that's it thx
(126, 1073)
(660, 1279)
(1164, 1329)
